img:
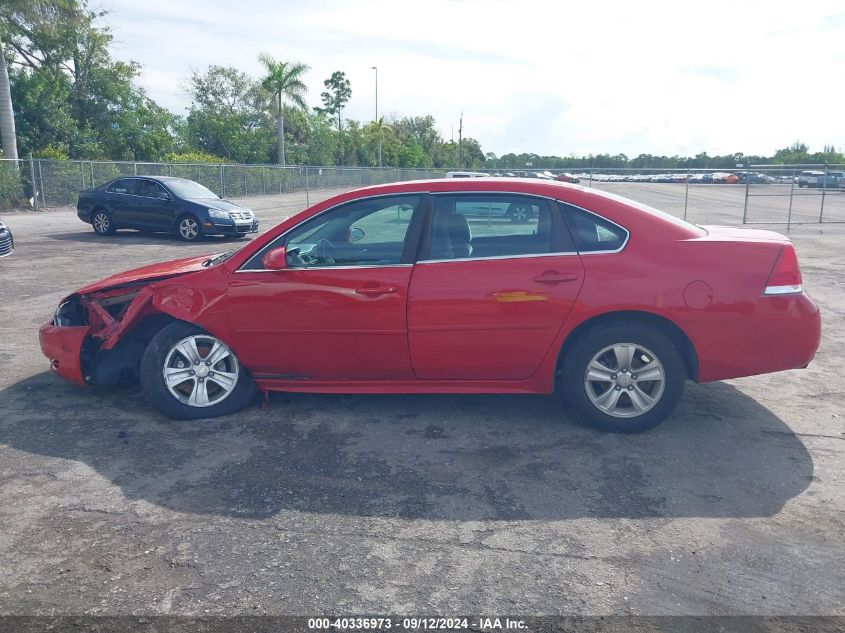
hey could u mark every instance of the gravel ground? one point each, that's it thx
(411, 504)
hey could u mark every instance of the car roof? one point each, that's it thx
(612, 206)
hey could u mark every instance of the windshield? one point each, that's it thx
(190, 190)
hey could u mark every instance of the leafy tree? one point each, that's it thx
(71, 93)
(284, 81)
(335, 97)
(228, 115)
(15, 18)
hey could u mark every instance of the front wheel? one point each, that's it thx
(624, 379)
(188, 229)
(187, 373)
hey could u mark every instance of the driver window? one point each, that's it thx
(150, 189)
(363, 233)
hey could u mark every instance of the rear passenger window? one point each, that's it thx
(593, 233)
(474, 226)
(122, 186)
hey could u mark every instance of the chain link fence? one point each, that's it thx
(756, 194)
(795, 194)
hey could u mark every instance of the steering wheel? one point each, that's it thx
(326, 251)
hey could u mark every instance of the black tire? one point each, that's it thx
(159, 395)
(180, 229)
(102, 222)
(593, 341)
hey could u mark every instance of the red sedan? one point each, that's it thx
(431, 287)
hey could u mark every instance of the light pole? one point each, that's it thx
(378, 125)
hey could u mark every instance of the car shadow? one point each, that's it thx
(450, 457)
(134, 237)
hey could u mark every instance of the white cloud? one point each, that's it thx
(548, 77)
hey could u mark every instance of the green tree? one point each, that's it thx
(228, 115)
(71, 94)
(335, 97)
(15, 17)
(284, 81)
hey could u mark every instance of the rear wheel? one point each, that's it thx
(187, 373)
(188, 228)
(624, 378)
(102, 222)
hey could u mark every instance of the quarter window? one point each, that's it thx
(593, 233)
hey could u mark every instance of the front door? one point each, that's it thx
(155, 208)
(339, 310)
(497, 284)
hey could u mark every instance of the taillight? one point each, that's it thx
(785, 277)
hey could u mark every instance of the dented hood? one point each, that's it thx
(152, 272)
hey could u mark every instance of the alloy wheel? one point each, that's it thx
(189, 228)
(101, 222)
(200, 371)
(625, 380)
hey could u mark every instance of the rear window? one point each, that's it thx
(693, 228)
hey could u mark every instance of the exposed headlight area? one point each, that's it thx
(220, 214)
(69, 313)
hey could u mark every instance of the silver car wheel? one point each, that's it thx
(625, 380)
(200, 371)
(189, 228)
(101, 222)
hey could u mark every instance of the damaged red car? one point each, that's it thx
(430, 287)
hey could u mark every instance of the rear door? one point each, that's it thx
(121, 200)
(490, 293)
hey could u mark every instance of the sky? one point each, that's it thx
(553, 78)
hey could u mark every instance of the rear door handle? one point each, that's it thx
(376, 291)
(554, 277)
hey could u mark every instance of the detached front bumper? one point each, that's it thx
(63, 346)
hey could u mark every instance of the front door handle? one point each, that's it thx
(554, 277)
(375, 291)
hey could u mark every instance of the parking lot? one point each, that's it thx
(413, 504)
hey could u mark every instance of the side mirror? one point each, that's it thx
(275, 259)
(356, 234)
(162, 195)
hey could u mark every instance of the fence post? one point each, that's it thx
(307, 203)
(222, 186)
(169, 169)
(590, 184)
(135, 167)
(747, 187)
(824, 192)
(82, 176)
(41, 184)
(91, 165)
(686, 193)
(32, 180)
(791, 195)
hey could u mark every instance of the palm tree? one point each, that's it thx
(12, 11)
(284, 82)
